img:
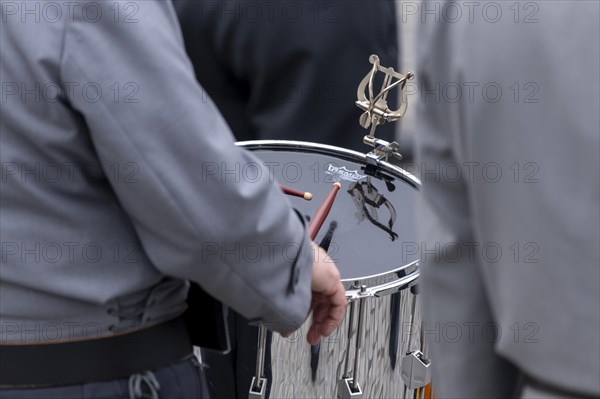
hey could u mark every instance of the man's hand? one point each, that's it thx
(328, 297)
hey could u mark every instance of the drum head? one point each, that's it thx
(370, 230)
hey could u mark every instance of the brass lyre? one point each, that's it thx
(376, 108)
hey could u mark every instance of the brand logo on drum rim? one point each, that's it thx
(341, 173)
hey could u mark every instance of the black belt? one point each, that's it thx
(94, 360)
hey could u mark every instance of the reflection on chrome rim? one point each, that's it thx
(381, 284)
(306, 146)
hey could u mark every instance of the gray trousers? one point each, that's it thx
(530, 392)
(182, 380)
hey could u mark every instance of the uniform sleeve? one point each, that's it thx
(204, 209)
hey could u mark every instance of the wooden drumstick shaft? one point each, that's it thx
(296, 193)
(317, 221)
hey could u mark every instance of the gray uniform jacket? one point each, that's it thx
(120, 180)
(509, 148)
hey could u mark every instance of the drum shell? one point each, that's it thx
(380, 362)
(391, 326)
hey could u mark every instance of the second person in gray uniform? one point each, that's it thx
(509, 218)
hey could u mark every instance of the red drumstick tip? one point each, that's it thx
(337, 183)
(308, 196)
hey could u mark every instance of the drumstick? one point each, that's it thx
(317, 221)
(291, 191)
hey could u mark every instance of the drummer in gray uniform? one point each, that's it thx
(509, 220)
(274, 71)
(110, 203)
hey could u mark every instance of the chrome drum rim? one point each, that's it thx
(377, 285)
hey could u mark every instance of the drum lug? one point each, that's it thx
(416, 370)
(357, 294)
(258, 387)
(347, 391)
(348, 386)
(260, 392)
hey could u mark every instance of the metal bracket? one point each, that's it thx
(416, 370)
(258, 387)
(377, 111)
(258, 391)
(348, 390)
(383, 150)
(348, 386)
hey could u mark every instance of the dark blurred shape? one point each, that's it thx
(289, 69)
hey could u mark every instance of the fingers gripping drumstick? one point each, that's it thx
(328, 300)
(296, 193)
(317, 221)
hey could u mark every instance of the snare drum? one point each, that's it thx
(371, 234)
